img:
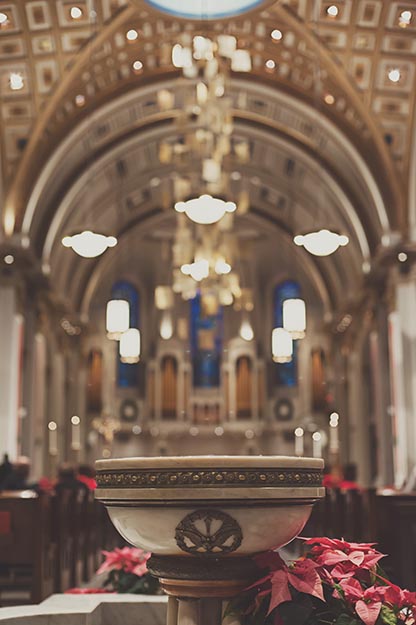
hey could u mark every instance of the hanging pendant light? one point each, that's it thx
(294, 317)
(246, 330)
(206, 209)
(89, 244)
(166, 325)
(321, 243)
(130, 346)
(282, 345)
(117, 318)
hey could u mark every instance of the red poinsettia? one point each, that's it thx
(336, 582)
(301, 575)
(127, 559)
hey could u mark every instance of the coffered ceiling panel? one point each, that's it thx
(354, 63)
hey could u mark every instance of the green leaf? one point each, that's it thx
(345, 619)
(388, 616)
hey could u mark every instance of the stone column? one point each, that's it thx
(37, 366)
(341, 382)
(11, 345)
(56, 397)
(188, 613)
(192, 611)
(404, 385)
(358, 430)
(200, 588)
(379, 349)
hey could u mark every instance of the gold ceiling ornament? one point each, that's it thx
(202, 260)
(205, 260)
(205, 123)
(203, 251)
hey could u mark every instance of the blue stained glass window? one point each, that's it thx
(206, 345)
(286, 373)
(127, 374)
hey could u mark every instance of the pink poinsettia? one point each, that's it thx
(347, 572)
(127, 559)
(339, 559)
(402, 600)
(302, 576)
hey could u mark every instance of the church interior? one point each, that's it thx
(208, 245)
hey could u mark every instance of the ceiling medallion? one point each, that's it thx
(204, 9)
(322, 242)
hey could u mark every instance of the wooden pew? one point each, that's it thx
(62, 537)
(91, 532)
(26, 548)
(78, 532)
(50, 543)
(365, 516)
(397, 536)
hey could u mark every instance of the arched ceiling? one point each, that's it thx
(130, 205)
(330, 135)
(350, 55)
(266, 115)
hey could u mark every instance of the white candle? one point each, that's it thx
(76, 433)
(317, 445)
(334, 432)
(53, 438)
(299, 442)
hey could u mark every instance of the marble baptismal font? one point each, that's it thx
(204, 517)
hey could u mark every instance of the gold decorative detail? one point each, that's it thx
(165, 478)
(207, 532)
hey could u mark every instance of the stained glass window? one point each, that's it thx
(286, 373)
(206, 344)
(127, 375)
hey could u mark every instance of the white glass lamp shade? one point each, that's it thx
(282, 345)
(181, 56)
(197, 270)
(321, 243)
(246, 330)
(225, 297)
(294, 317)
(211, 170)
(205, 209)
(130, 345)
(164, 297)
(117, 318)
(166, 325)
(204, 9)
(89, 244)
(241, 61)
(222, 268)
(227, 45)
